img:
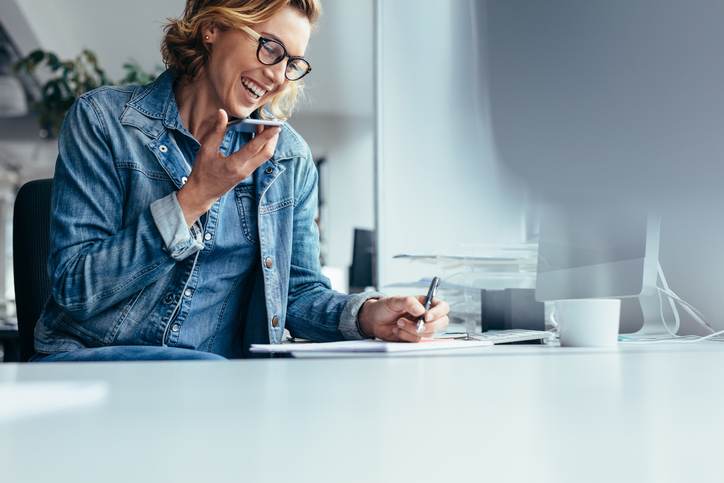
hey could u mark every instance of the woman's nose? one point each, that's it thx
(276, 72)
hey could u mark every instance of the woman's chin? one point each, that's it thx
(244, 108)
(241, 111)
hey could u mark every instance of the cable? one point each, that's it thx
(665, 284)
(677, 322)
(690, 309)
(693, 311)
(672, 333)
(673, 299)
(679, 339)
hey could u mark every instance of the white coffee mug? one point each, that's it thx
(587, 322)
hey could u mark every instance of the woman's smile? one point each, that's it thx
(252, 89)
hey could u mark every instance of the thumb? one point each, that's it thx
(409, 304)
(217, 127)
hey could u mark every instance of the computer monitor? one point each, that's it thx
(362, 270)
(596, 251)
(616, 100)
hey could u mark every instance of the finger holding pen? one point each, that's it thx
(394, 318)
(428, 302)
(435, 321)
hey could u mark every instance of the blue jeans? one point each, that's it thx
(127, 353)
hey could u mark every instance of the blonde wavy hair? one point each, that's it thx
(184, 51)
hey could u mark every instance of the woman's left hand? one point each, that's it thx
(395, 318)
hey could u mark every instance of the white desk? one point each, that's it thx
(653, 414)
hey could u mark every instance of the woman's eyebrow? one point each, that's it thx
(271, 35)
(275, 37)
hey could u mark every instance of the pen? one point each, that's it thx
(428, 301)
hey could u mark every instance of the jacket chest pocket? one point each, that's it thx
(245, 196)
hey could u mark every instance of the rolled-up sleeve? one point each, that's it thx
(180, 240)
(348, 320)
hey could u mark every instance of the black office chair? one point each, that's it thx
(31, 240)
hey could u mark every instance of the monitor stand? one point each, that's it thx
(653, 326)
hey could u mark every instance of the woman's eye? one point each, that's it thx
(272, 49)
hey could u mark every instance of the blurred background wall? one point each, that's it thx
(442, 187)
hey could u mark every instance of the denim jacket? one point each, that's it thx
(121, 254)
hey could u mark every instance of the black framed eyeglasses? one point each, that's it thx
(271, 52)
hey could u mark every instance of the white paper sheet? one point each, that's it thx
(371, 346)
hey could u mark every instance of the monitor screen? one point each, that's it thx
(582, 238)
(596, 251)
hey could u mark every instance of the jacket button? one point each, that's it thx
(184, 179)
(269, 170)
(187, 292)
(207, 236)
(175, 328)
(275, 321)
(268, 263)
(163, 148)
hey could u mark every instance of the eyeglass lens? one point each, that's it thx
(272, 52)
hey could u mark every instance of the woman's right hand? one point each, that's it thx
(214, 174)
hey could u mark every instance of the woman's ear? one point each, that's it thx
(209, 33)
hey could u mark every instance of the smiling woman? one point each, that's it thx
(173, 237)
(210, 39)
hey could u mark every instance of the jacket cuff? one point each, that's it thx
(348, 325)
(180, 241)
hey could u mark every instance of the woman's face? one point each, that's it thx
(233, 66)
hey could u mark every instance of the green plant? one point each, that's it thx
(68, 79)
(136, 75)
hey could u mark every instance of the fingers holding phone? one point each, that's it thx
(213, 173)
(262, 146)
(256, 152)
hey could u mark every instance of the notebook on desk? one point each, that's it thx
(378, 346)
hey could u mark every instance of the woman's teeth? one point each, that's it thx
(255, 90)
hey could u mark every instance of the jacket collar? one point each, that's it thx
(153, 109)
(152, 103)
